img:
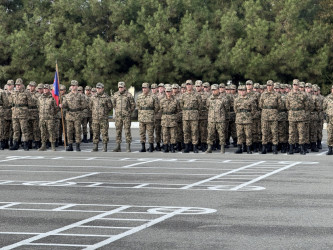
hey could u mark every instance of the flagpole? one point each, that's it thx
(62, 114)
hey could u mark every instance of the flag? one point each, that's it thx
(55, 89)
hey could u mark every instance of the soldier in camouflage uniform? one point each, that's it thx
(190, 104)
(316, 91)
(100, 106)
(170, 108)
(297, 105)
(21, 101)
(124, 105)
(62, 93)
(328, 109)
(227, 97)
(231, 92)
(6, 127)
(270, 104)
(158, 117)
(179, 128)
(87, 90)
(218, 108)
(34, 131)
(75, 103)
(203, 115)
(47, 108)
(283, 121)
(148, 106)
(2, 119)
(245, 109)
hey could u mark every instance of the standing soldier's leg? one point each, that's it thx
(84, 129)
(90, 129)
(221, 129)
(51, 128)
(70, 135)
(314, 135)
(303, 133)
(119, 130)
(150, 132)
(104, 130)
(166, 138)
(275, 135)
(195, 134)
(24, 123)
(127, 128)
(43, 132)
(210, 136)
(173, 136)
(187, 133)
(96, 132)
(320, 134)
(249, 139)
(240, 137)
(330, 136)
(78, 133)
(265, 136)
(203, 134)
(142, 132)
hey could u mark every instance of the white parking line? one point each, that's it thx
(139, 163)
(72, 178)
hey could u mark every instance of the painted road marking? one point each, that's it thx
(157, 213)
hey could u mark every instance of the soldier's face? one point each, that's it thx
(18, 86)
(243, 92)
(168, 93)
(154, 90)
(10, 87)
(100, 90)
(249, 86)
(74, 87)
(46, 91)
(198, 88)
(121, 89)
(308, 90)
(222, 90)
(145, 90)
(175, 91)
(215, 92)
(189, 87)
(269, 88)
(161, 89)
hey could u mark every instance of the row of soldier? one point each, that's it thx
(260, 118)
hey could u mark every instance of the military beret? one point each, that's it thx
(93, 90)
(19, 81)
(153, 86)
(74, 83)
(222, 85)
(168, 89)
(62, 87)
(249, 82)
(189, 82)
(10, 82)
(99, 85)
(183, 85)
(308, 85)
(206, 84)
(40, 86)
(256, 86)
(269, 83)
(214, 87)
(161, 85)
(198, 83)
(87, 88)
(175, 86)
(145, 85)
(80, 88)
(121, 84)
(295, 82)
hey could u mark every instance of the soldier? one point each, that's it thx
(297, 104)
(158, 117)
(316, 91)
(47, 108)
(183, 88)
(7, 114)
(154, 89)
(93, 91)
(170, 108)
(75, 103)
(2, 119)
(124, 105)
(218, 108)
(34, 131)
(328, 109)
(62, 93)
(245, 108)
(270, 104)
(203, 115)
(21, 101)
(231, 92)
(206, 87)
(283, 120)
(148, 106)
(100, 106)
(190, 103)
(179, 130)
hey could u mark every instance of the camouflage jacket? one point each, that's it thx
(229, 103)
(180, 113)
(321, 112)
(87, 111)
(75, 103)
(203, 114)
(297, 103)
(123, 103)
(21, 101)
(47, 107)
(232, 114)
(100, 106)
(33, 110)
(190, 103)
(7, 104)
(218, 108)
(244, 108)
(328, 106)
(283, 112)
(170, 108)
(311, 106)
(148, 106)
(256, 97)
(158, 115)
(270, 104)
(318, 107)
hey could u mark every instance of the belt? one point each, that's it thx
(146, 108)
(33, 107)
(74, 110)
(244, 110)
(297, 109)
(189, 109)
(168, 113)
(269, 107)
(20, 105)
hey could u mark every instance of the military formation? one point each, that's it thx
(194, 116)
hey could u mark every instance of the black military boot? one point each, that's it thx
(172, 148)
(234, 143)
(6, 143)
(11, 142)
(255, 147)
(269, 147)
(239, 149)
(151, 147)
(259, 146)
(264, 149)
(85, 140)
(195, 148)
(143, 147)
(187, 148)
(297, 150)
(158, 146)
(249, 151)
(2, 145)
(307, 146)
(26, 146)
(70, 147)
(283, 148)
(190, 146)
(15, 146)
(166, 148)
(303, 150)
(314, 147)
(90, 137)
(291, 149)
(60, 142)
(244, 149)
(78, 149)
(30, 144)
(56, 143)
(275, 150)
(319, 144)
(330, 150)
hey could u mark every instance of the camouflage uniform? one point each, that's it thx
(100, 106)
(147, 105)
(203, 116)
(89, 115)
(328, 109)
(170, 108)
(124, 105)
(283, 124)
(218, 109)
(232, 117)
(86, 115)
(314, 119)
(270, 103)
(7, 114)
(321, 119)
(34, 130)
(190, 103)
(179, 127)
(158, 117)
(2, 119)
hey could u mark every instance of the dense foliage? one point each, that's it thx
(167, 40)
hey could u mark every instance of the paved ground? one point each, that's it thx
(71, 200)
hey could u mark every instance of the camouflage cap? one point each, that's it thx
(19, 81)
(302, 84)
(315, 85)
(93, 90)
(80, 88)
(206, 84)
(167, 85)
(241, 87)
(221, 85)
(145, 85)
(183, 85)
(175, 86)
(269, 83)
(232, 86)
(227, 87)
(249, 82)
(256, 86)
(46, 86)
(168, 89)
(74, 83)
(121, 84)
(87, 88)
(308, 85)
(32, 83)
(214, 87)
(10, 82)
(99, 85)
(153, 86)
(40, 86)
(315, 88)
(295, 82)
(62, 87)
(282, 86)
(161, 85)
(276, 85)
(189, 82)
(198, 83)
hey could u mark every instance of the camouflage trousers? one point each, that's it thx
(146, 127)
(256, 130)
(283, 131)
(212, 129)
(6, 129)
(179, 131)
(74, 127)
(244, 133)
(125, 122)
(18, 126)
(34, 130)
(2, 122)
(203, 130)
(85, 122)
(297, 130)
(320, 130)
(100, 127)
(269, 130)
(158, 131)
(330, 132)
(47, 130)
(307, 129)
(59, 128)
(169, 135)
(191, 131)
(231, 130)
(314, 124)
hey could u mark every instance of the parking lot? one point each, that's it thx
(85, 200)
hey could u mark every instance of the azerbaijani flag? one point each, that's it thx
(55, 89)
